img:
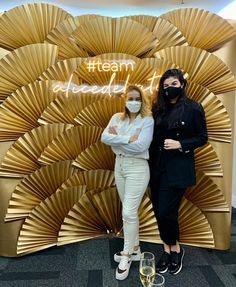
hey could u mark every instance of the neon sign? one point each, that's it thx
(111, 88)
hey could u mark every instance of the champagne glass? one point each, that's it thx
(147, 268)
(157, 281)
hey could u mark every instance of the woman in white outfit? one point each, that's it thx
(130, 134)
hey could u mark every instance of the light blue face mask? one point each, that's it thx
(133, 106)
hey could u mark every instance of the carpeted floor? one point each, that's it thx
(90, 264)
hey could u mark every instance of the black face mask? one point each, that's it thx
(173, 92)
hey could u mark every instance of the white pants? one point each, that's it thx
(132, 177)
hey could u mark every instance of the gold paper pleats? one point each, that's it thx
(3, 52)
(114, 35)
(19, 113)
(96, 156)
(203, 67)
(24, 65)
(70, 144)
(198, 92)
(201, 28)
(148, 229)
(195, 229)
(146, 20)
(206, 160)
(61, 36)
(29, 24)
(206, 195)
(63, 70)
(67, 106)
(41, 227)
(92, 179)
(96, 214)
(168, 35)
(22, 157)
(114, 68)
(37, 187)
(218, 120)
(100, 112)
(160, 65)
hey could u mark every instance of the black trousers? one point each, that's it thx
(166, 201)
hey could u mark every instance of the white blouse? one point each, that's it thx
(120, 142)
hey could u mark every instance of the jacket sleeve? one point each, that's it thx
(144, 140)
(199, 129)
(111, 139)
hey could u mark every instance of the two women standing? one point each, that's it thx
(179, 128)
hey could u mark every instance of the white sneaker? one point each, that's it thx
(135, 256)
(122, 271)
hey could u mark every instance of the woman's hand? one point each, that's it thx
(133, 138)
(171, 144)
(112, 130)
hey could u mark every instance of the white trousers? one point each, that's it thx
(132, 177)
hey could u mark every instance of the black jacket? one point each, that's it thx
(191, 132)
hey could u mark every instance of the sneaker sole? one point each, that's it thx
(133, 258)
(180, 268)
(122, 276)
(163, 271)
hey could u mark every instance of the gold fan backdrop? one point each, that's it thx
(59, 85)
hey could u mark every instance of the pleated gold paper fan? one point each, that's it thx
(96, 156)
(3, 52)
(92, 179)
(148, 228)
(25, 65)
(146, 20)
(203, 67)
(60, 36)
(161, 65)
(195, 229)
(206, 195)
(198, 92)
(22, 157)
(207, 161)
(100, 112)
(70, 143)
(29, 24)
(41, 227)
(218, 120)
(114, 68)
(96, 215)
(37, 187)
(114, 35)
(63, 70)
(168, 36)
(66, 107)
(201, 28)
(108, 204)
(20, 111)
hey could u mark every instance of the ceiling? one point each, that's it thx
(122, 7)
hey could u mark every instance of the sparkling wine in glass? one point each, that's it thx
(147, 268)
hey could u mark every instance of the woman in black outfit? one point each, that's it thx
(180, 127)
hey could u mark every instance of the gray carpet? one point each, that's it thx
(90, 264)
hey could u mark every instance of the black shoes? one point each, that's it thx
(172, 262)
(163, 263)
(176, 260)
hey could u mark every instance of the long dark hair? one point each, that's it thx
(160, 105)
